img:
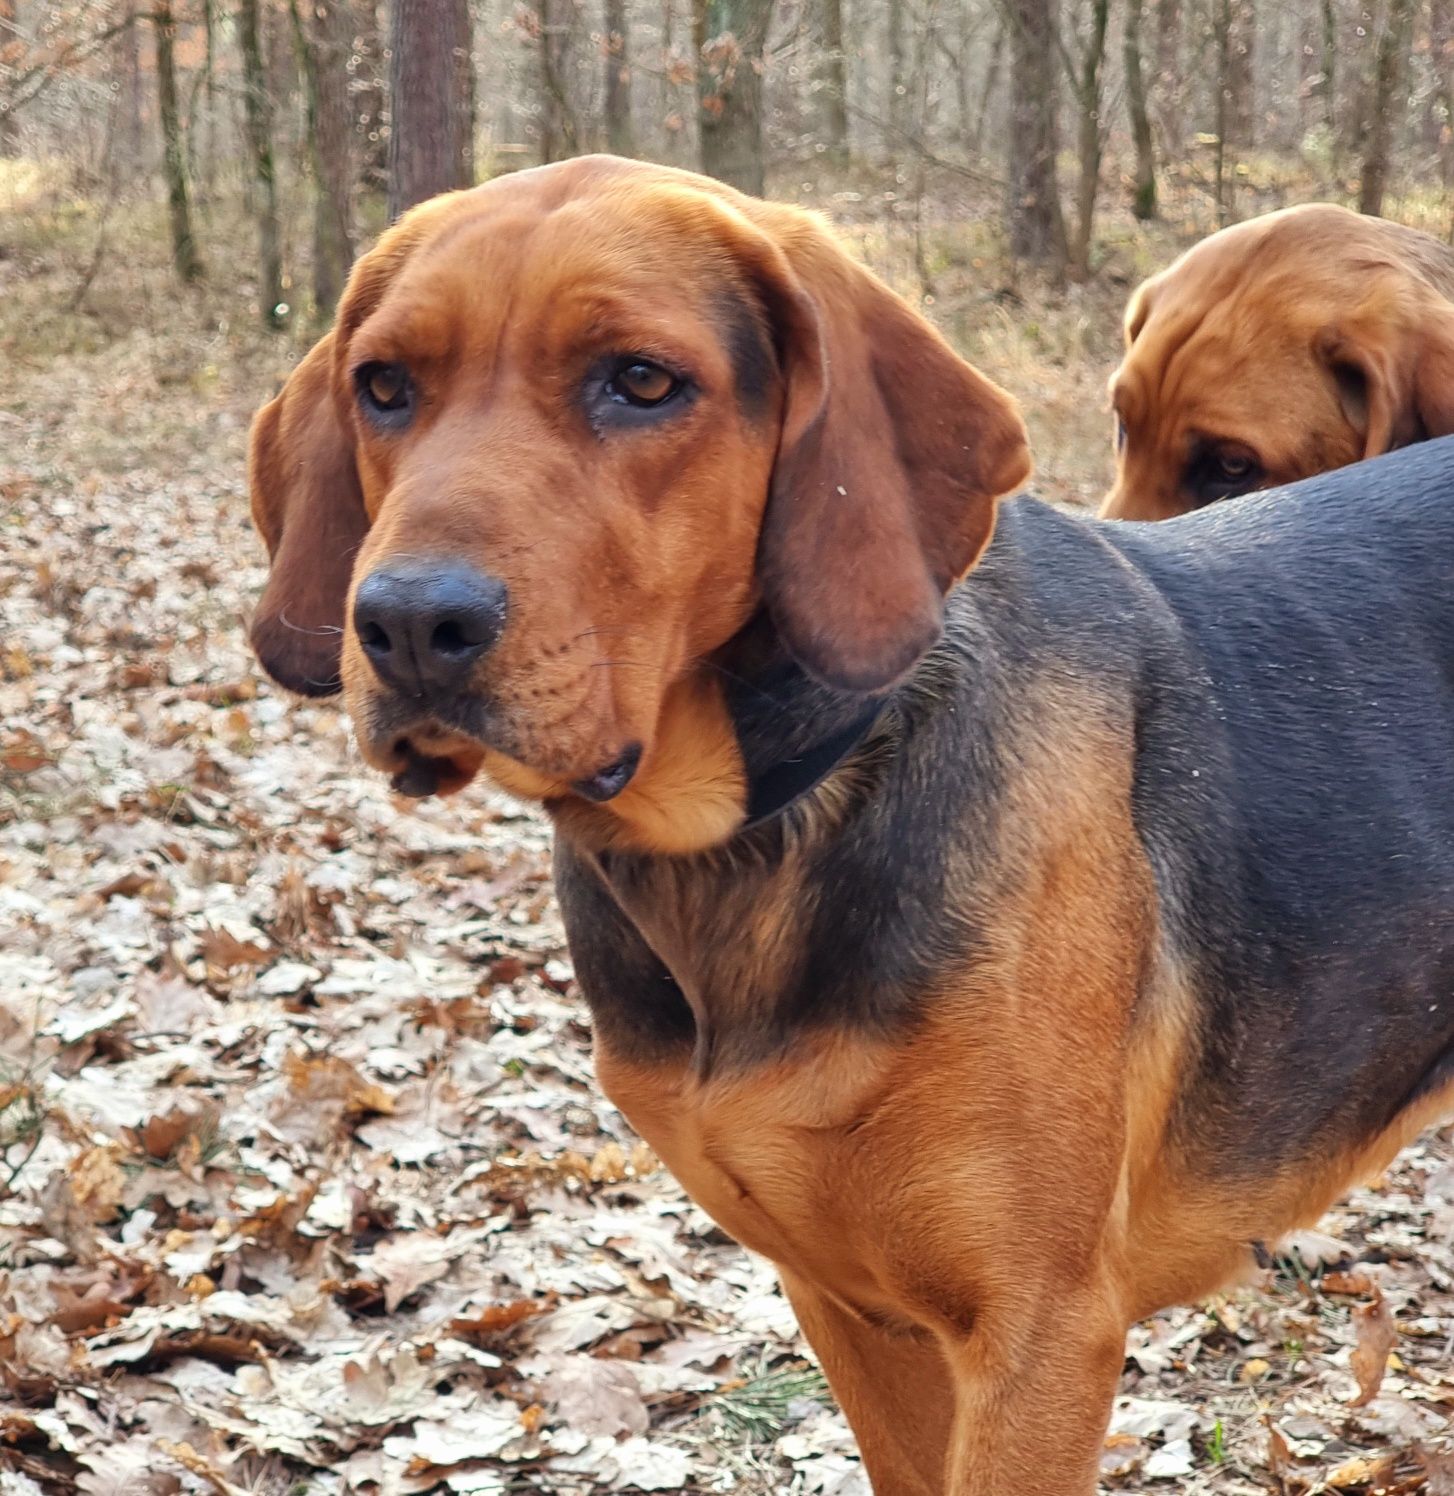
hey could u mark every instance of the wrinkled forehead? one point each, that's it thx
(1220, 368)
(650, 267)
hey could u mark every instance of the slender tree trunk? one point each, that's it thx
(1222, 38)
(1143, 195)
(430, 101)
(674, 75)
(1090, 138)
(1388, 103)
(128, 87)
(1328, 88)
(991, 83)
(835, 81)
(898, 86)
(730, 36)
(1168, 91)
(559, 130)
(1241, 78)
(1441, 47)
(369, 107)
(1036, 227)
(258, 102)
(9, 124)
(466, 92)
(205, 130)
(959, 66)
(323, 51)
(620, 135)
(185, 258)
(1357, 48)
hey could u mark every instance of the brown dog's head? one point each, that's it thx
(573, 430)
(1277, 349)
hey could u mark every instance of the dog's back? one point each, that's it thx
(1293, 667)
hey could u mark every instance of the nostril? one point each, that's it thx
(449, 638)
(374, 639)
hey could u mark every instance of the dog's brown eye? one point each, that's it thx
(642, 383)
(1217, 472)
(386, 385)
(384, 390)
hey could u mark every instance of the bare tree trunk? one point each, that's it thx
(1441, 46)
(369, 103)
(1388, 103)
(620, 135)
(674, 76)
(559, 132)
(324, 45)
(1036, 227)
(1357, 49)
(898, 86)
(259, 105)
(1143, 195)
(1169, 74)
(959, 69)
(430, 101)
(835, 81)
(128, 83)
(1241, 81)
(991, 83)
(1329, 85)
(1090, 137)
(9, 123)
(730, 36)
(185, 258)
(466, 93)
(1222, 38)
(204, 133)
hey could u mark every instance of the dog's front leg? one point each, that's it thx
(894, 1385)
(1033, 1396)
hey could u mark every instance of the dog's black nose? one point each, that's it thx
(423, 624)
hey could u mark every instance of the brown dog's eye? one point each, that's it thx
(644, 384)
(385, 391)
(1221, 472)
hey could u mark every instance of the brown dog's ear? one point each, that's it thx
(1434, 372)
(1138, 311)
(892, 455)
(308, 506)
(1394, 371)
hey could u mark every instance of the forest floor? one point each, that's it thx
(305, 1185)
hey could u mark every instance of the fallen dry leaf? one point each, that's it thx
(1360, 1471)
(1376, 1336)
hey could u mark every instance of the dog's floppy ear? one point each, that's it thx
(1138, 311)
(1394, 369)
(308, 507)
(892, 455)
(1434, 371)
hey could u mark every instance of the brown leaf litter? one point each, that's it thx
(308, 1185)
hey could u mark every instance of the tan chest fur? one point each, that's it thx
(780, 1156)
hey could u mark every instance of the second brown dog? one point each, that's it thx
(1279, 348)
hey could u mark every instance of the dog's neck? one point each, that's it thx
(823, 907)
(792, 731)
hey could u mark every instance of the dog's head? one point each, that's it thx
(1276, 349)
(572, 431)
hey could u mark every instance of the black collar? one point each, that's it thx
(782, 784)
